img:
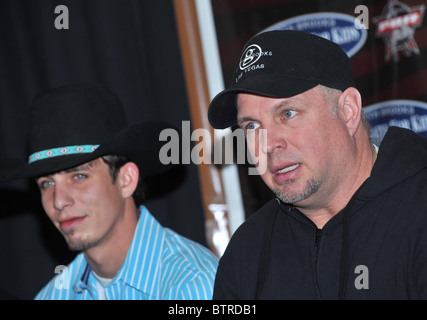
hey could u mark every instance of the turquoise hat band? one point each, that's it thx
(61, 151)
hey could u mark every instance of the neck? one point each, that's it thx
(106, 258)
(332, 201)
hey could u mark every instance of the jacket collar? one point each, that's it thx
(402, 154)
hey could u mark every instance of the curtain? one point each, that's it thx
(131, 46)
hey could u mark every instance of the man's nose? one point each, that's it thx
(61, 197)
(273, 139)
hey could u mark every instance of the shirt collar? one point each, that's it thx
(143, 261)
(140, 269)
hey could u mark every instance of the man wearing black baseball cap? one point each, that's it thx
(89, 165)
(349, 220)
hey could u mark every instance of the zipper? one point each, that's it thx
(316, 257)
(317, 239)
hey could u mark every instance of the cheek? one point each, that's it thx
(104, 195)
(257, 157)
(92, 193)
(254, 148)
(98, 195)
(320, 148)
(47, 203)
(316, 151)
(257, 143)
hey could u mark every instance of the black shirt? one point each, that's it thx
(385, 239)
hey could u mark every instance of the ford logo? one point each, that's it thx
(337, 27)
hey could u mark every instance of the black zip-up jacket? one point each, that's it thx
(375, 248)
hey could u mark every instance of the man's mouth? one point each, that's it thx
(286, 173)
(69, 223)
(287, 169)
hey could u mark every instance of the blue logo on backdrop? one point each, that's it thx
(337, 27)
(409, 114)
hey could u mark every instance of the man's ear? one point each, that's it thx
(350, 106)
(128, 178)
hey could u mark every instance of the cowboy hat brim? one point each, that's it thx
(140, 143)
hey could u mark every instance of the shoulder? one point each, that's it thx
(188, 252)
(188, 268)
(238, 267)
(60, 287)
(252, 228)
(245, 244)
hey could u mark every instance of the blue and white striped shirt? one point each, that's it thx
(160, 265)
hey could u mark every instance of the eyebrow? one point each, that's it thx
(244, 119)
(83, 167)
(279, 105)
(282, 104)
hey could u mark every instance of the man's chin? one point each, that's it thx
(289, 194)
(77, 244)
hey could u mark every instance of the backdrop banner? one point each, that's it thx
(385, 40)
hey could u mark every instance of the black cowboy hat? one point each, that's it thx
(75, 124)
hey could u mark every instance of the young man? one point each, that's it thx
(88, 165)
(348, 221)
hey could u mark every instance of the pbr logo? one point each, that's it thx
(396, 25)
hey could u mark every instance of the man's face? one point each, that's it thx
(299, 141)
(83, 203)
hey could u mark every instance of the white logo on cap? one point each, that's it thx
(250, 56)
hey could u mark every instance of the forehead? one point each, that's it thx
(246, 102)
(251, 105)
(87, 166)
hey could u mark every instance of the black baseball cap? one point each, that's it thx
(282, 64)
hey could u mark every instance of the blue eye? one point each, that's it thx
(46, 184)
(79, 176)
(289, 114)
(252, 126)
